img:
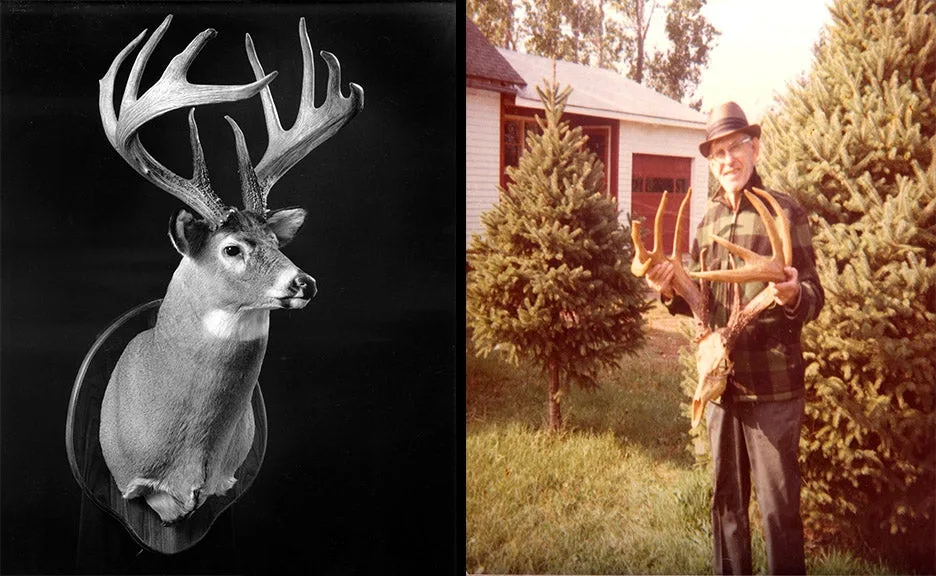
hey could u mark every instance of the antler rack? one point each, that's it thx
(682, 282)
(173, 91)
(756, 266)
(712, 355)
(312, 127)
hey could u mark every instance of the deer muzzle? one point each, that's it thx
(304, 286)
(300, 290)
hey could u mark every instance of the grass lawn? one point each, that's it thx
(616, 492)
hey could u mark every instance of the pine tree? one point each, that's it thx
(855, 143)
(549, 280)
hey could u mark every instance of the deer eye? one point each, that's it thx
(232, 250)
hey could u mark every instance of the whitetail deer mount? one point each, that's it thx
(176, 421)
(715, 345)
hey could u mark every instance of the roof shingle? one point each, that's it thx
(484, 65)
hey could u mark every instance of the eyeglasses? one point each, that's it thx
(732, 151)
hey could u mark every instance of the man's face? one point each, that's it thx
(731, 160)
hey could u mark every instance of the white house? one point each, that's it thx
(647, 141)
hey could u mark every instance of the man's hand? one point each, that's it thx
(786, 293)
(660, 278)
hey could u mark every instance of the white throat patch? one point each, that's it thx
(241, 326)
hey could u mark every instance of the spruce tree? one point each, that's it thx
(549, 280)
(855, 142)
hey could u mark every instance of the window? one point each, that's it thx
(599, 140)
(515, 132)
(516, 129)
(659, 185)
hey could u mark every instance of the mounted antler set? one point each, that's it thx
(714, 346)
(173, 91)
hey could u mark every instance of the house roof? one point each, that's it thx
(484, 65)
(600, 92)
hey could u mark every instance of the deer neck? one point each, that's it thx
(192, 314)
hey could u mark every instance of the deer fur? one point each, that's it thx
(176, 420)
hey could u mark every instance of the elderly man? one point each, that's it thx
(754, 428)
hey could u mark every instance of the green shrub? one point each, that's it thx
(855, 143)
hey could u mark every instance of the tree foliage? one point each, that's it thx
(677, 71)
(606, 33)
(549, 280)
(855, 143)
(579, 31)
(638, 15)
(496, 19)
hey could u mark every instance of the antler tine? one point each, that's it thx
(680, 224)
(250, 188)
(171, 92)
(313, 125)
(643, 260)
(702, 314)
(783, 226)
(195, 192)
(106, 94)
(756, 266)
(682, 283)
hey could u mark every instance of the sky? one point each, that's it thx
(763, 46)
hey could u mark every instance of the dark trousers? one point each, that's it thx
(759, 441)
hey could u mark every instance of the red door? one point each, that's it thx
(651, 176)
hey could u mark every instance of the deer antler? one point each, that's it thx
(171, 92)
(764, 269)
(682, 283)
(312, 127)
(714, 346)
(756, 266)
(712, 357)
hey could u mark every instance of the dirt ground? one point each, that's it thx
(665, 333)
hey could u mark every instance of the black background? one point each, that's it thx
(360, 468)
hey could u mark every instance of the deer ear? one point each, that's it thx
(285, 223)
(188, 235)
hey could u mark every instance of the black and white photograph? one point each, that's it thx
(230, 254)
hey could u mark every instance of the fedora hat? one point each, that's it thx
(724, 120)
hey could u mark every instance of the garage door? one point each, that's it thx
(651, 176)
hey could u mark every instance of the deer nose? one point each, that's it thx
(303, 284)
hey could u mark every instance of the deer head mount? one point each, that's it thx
(715, 345)
(176, 421)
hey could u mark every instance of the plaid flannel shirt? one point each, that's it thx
(767, 358)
